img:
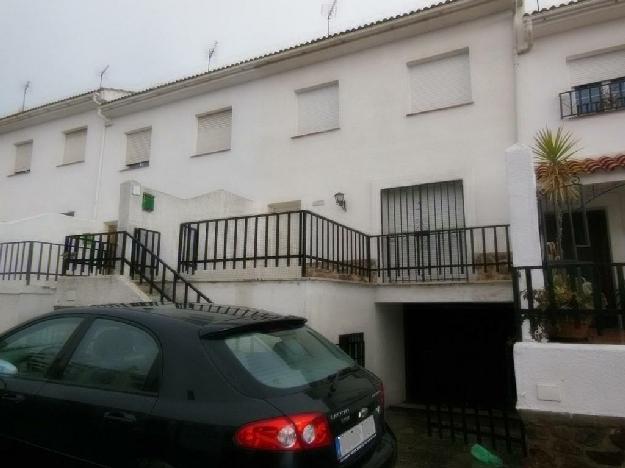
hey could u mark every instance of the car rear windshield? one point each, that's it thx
(288, 358)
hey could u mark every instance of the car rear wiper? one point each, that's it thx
(333, 378)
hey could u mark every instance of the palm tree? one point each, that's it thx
(555, 176)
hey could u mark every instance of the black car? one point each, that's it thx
(157, 385)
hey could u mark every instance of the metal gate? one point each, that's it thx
(477, 417)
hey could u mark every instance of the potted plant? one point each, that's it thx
(564, 305)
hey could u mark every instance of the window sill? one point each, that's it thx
(199, 155)
(19, 173)
(70, 163)
(134, 167)
(301, 135)
(454, 106)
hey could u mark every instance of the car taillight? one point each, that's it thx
(292, 433)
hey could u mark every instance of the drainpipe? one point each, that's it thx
(523, 42)
(107, 122)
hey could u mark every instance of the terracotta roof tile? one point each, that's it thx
(592, 165)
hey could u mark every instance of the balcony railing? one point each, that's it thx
(28, 260)
(304, 244)
(593, 99)
(572, 302)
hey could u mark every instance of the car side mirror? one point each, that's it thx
(6, 368)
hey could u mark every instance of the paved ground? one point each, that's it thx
(418, 450)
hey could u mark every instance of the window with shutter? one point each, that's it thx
(424, 225)
(440, 82)
(138, 147)
(596, 68)
(23, 156)
(318, 108)
(75, 145)
(214, 131)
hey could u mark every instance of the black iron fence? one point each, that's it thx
(28, 260)
(592, 99)
(473, 253)
(317, 246)
(121, 253)
(296, 239)
(572, 302)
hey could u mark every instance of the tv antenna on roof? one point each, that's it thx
(102, 75)
(211, 52)
(26, 88)
(329, 10)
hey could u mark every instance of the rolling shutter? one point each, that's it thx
(23, 156)
(440, 82)
(75, 145)
(138, 146)
(214, 132)
(596, 68)
(318, 109)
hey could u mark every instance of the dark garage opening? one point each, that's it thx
(460, 354)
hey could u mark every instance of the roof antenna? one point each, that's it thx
(102, 75)
(26, 88)
(331, 12)
(211, 52)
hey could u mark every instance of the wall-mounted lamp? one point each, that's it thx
(340, 200)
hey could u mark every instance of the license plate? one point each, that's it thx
(355, 438)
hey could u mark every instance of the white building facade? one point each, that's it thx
(385, 143)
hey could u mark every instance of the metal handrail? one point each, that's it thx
(142, 262)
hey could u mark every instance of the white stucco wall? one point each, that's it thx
(170, 211)
(543, 74)
(48, 188)
(19, 302)
(47, 227)
(377, 145)
(571, 378)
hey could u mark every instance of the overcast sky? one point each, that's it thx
(60, 45)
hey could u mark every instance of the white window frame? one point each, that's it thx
(298, 92)
(434, 58)
(67, 133)
(199, 151)
(138, 164)
(30, 161)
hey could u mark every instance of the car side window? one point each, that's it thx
(31, 351)
(114, 356)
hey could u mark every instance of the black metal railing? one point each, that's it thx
(593, 99)
(27, 260)
(120, 253)
(473, 253)
(572, 302)
(317, 246)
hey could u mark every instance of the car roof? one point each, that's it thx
(206, 318)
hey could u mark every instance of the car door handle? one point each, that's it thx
(120, 416)
(13, 397)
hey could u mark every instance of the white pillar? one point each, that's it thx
(523, 209)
